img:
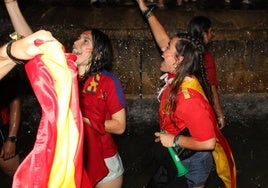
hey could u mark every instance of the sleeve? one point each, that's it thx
(211, 68)
(116, 99)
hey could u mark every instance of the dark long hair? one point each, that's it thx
(198, 25)
(102, 54)
(193, 64)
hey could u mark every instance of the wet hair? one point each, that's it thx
(192, 64)
(102, 54)
(198, 25)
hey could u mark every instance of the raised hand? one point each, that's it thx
(142, 5)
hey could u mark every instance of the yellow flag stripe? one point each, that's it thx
(63, 169)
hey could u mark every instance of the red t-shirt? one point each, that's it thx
(211, 68)
(101, 97)
(192, 111)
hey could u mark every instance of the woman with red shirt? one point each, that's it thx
(185, 104)
(102, 104)
(200, 27)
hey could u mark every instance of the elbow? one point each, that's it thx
(121, 130)
(211, 144)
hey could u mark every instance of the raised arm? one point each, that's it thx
(23, 49)
(18, 21)
(159, 32)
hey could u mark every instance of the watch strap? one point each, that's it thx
(12, 139)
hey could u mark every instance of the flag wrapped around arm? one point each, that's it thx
(57, 156)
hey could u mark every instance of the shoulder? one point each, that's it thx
(109, 76)
(208, 56)
(188, 94)
(111, 79)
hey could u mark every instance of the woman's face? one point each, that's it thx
(83, 48)
(208, 36)
(170, 61)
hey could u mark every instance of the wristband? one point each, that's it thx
(148, 12)
(176, 142)
(8, 51)
(12, 139)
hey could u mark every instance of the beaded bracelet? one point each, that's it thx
(148, 12)
(8, 51)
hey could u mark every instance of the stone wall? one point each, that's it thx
(240, 44)
(240, 49)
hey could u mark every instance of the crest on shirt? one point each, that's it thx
(93, 84)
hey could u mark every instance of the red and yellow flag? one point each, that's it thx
(56, 160)
(222, 154)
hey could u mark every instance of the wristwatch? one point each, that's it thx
(176, 143)
(12, 139)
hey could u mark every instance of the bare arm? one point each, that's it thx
(217, 107)
(117, 124)
(24, 49)
(5, 63)
(18, 21)
(15, 116)
(9, 148)
(159, 32)
(185, 142)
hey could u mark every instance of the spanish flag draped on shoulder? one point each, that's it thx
(222, 154)
(56, 160)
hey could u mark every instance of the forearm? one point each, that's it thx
(15, 117)
(161, 37)
(18, 21)
(187, 142)
(159, 32)
(23, 49)
(6, 64)
(217, 104)
(117, 124)
(190, 143)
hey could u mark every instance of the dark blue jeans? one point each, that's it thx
(199, 166)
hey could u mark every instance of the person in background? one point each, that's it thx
(102, 101)
(199, 27)
(9, 126)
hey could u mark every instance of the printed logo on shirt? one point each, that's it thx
(186, 93)
(93, 84)
(102, 95)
